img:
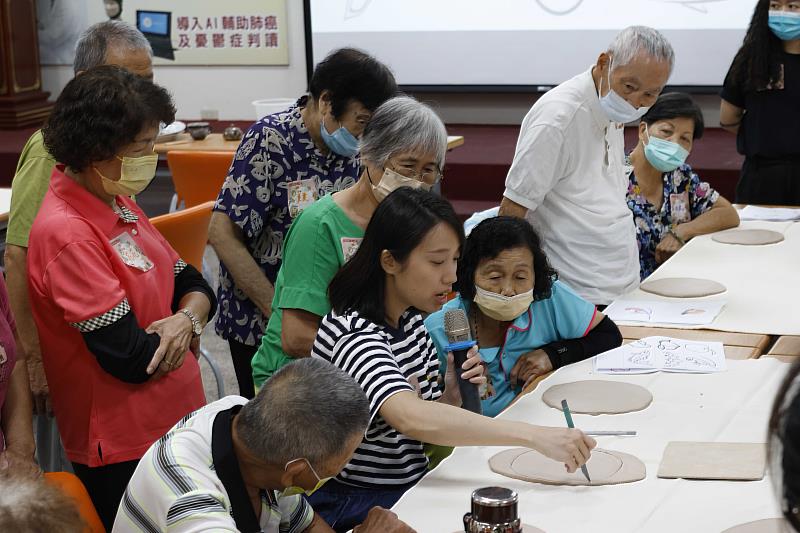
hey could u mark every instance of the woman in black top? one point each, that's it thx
(761, 104)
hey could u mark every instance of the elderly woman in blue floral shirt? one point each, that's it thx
(670, 203)
(285, 162)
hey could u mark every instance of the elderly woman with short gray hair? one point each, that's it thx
(404, 145)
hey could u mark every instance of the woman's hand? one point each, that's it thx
(667, 248)
(529, 366)
(176, 335)
(473, 371)
(569, 446)
(18, 464)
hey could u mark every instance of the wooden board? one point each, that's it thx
(215, 143)
(725, 337)
(786, 345)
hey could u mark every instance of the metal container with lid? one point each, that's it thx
(494, 510)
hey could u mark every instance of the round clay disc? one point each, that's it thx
(683, 287)
(769, 525)
(598, 397)
(605, 467)
(748, 237)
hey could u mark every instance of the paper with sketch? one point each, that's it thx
(774, 214)
(667, 354)
(662, 312)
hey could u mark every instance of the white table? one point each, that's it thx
(731, 406)
(5, 203)
(763, 290)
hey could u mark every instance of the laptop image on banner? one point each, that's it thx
(157, 28)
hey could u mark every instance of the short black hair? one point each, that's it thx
(676, 105)
(495, 235)
(784, 435)
(350, 74)
(400, 222)
(100, 112)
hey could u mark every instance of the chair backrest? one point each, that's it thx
(72, 487)
(187, 231)
(198, 176)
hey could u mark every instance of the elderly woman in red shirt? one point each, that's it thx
(116, 307)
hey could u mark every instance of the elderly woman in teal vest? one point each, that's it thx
(525, 321)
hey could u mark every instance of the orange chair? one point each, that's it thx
(72, 487)
(198, 176)
(187, 231)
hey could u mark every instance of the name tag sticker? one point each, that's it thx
(679, 205)
(302, 193)
(350, 247)
(130, 253)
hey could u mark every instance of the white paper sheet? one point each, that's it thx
(689, 312)
(775, 214)
(732, 406)
(667, 354)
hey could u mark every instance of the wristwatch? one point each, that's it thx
(197, 328)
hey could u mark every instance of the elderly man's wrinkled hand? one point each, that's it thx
(380, 520)
(18, 465)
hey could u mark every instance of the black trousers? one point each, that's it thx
(241, 355)
(769, 182)
(106, 486)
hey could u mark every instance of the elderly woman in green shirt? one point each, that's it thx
(404, 145)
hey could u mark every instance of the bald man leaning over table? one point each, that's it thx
(106, 43)
(567, 177)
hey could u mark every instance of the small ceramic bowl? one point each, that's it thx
(198, 130)
(232, 133)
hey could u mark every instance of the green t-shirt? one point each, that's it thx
(318, 243)
(31, 180)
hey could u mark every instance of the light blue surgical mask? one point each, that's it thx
(340, 141)
(664, 155)
(618, 109)
(785, 25)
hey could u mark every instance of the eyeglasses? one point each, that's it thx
(429, 177)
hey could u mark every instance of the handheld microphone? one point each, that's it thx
(456, 327)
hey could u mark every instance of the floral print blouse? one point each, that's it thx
(686, 197)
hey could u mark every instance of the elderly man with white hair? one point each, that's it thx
(567, 176)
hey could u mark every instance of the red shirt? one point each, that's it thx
(8, 350)
(84, 260)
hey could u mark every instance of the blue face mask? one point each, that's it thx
(664, 155)
(785, 26)
(340, 141)
(616, 108)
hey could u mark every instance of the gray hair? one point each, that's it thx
(309, 408)
(634, 40)
(402, 124)
(93, 44)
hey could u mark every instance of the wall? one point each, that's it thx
(230, 90)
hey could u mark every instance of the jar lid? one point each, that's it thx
(494, 497)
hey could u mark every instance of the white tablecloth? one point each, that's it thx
(732, 406)
(763, 287)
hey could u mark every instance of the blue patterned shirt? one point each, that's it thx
(686, 197)
(277, 172)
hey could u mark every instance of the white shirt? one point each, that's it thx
(177, 486)
(568, 172)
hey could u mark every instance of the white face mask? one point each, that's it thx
(502, 308)
(618, 109)
(391, 181)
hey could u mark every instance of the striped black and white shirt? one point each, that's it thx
(384, 361)
(189, 480)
